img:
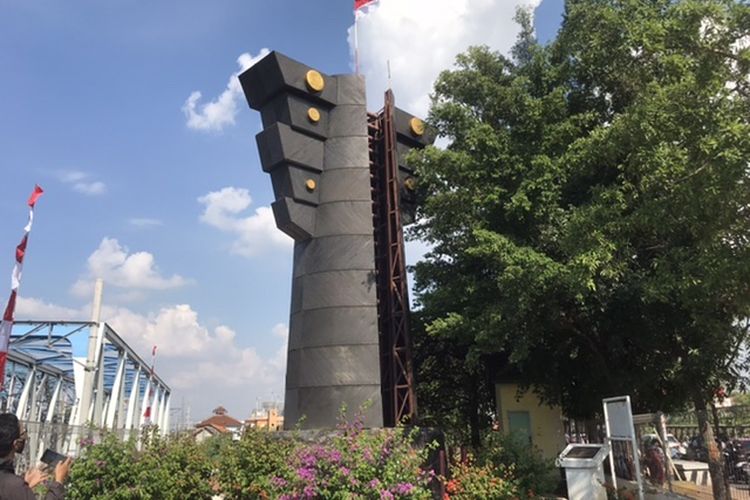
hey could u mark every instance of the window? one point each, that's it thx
(519, 423)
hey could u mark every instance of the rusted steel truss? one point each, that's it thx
(397, 375)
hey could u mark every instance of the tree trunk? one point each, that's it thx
(714, 458)
(717, 431)
(715, 415)
(474, 424)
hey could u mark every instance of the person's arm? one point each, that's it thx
(56, 491)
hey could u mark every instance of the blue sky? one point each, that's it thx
(92, 95)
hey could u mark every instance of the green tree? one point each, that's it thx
(590, 216)
(454, 388)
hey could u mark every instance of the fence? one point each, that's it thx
(731, 428)
(65, 439)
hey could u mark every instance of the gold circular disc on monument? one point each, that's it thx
(314, 81)
(313, 115)
(310, 185)
(417, 126)
(410, 183)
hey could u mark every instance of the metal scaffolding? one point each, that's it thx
(68, 379)
(397, 372)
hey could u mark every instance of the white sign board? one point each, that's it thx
(618, 418)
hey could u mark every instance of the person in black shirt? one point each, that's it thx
(13, 487)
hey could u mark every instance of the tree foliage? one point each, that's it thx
(590, 217)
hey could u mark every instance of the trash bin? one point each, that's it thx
(584, 472)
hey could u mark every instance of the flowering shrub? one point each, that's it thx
(471, 481)
(348, 463)
(355, 463)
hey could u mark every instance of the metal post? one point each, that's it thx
(114, 397)
(24, 399)
(165, 415)
(154, 402)
(53, 402)
(120, 420)
(133, 400)
(99, 394)
(661, 426)
(11, 387)
(162, 407)
(35, 406)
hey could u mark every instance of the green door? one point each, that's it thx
(519, 424)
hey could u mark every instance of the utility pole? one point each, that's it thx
(89, 378)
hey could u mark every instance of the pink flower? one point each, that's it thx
(404, 488)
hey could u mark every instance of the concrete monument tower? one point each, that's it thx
(316, 147)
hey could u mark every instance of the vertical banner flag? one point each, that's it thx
(359, 5)
(360, 9)
(147, 413)
(15, 280)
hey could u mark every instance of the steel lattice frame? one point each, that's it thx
(399, 397)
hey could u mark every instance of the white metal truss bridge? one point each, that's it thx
(69, 380)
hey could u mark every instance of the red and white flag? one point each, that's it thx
(361, 7)
(15, 281)
(149, 401)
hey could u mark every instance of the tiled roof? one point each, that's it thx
(220, 420)
(211, 428)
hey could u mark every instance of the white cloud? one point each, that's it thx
(281, 331)
(255, 234)
(420, 39)
(214, 115)
(28, 308)
(81, 182)
(206, 366)
(119, 268)
(144, 222)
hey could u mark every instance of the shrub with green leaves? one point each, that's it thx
(244, 468)
(173, 468)
(524, 463)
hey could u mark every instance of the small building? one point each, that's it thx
(268, 418)
(208, 431)
(527, 416)
(219, 423)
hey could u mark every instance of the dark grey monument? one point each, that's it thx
(315, 146)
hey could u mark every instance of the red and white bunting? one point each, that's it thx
(15, 281)
(361, 6)
(149, 400)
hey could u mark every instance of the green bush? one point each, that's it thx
(349, 463)
(174, 468)
(243, 469)
(513, 455)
